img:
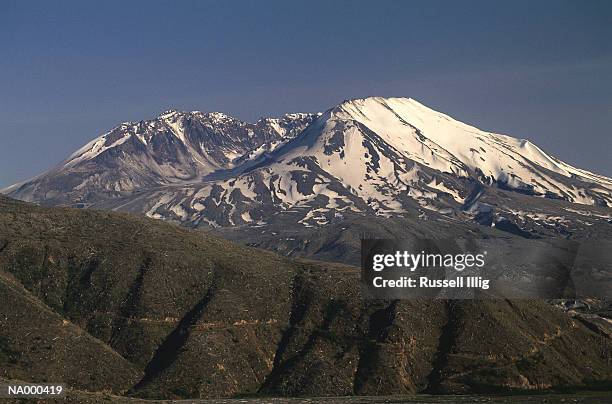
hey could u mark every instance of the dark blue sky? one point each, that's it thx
(71, 70)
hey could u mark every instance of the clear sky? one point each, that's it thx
(70, 70)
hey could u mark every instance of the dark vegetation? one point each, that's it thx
(114, 304)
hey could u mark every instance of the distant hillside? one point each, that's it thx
(109, 302)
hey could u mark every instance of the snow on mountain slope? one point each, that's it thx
(382, 150)
(210, 141)
(374, 156)
(440, 142)
(175, 147)
(380, 156)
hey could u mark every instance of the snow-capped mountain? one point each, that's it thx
(374, 156)
(176, 147)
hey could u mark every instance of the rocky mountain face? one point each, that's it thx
(109, 302)
(362, 160)
(176, 147)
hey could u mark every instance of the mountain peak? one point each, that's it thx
(361, 101)
(218, 116)
(376, 107)
(372, 154)
(168, 113)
